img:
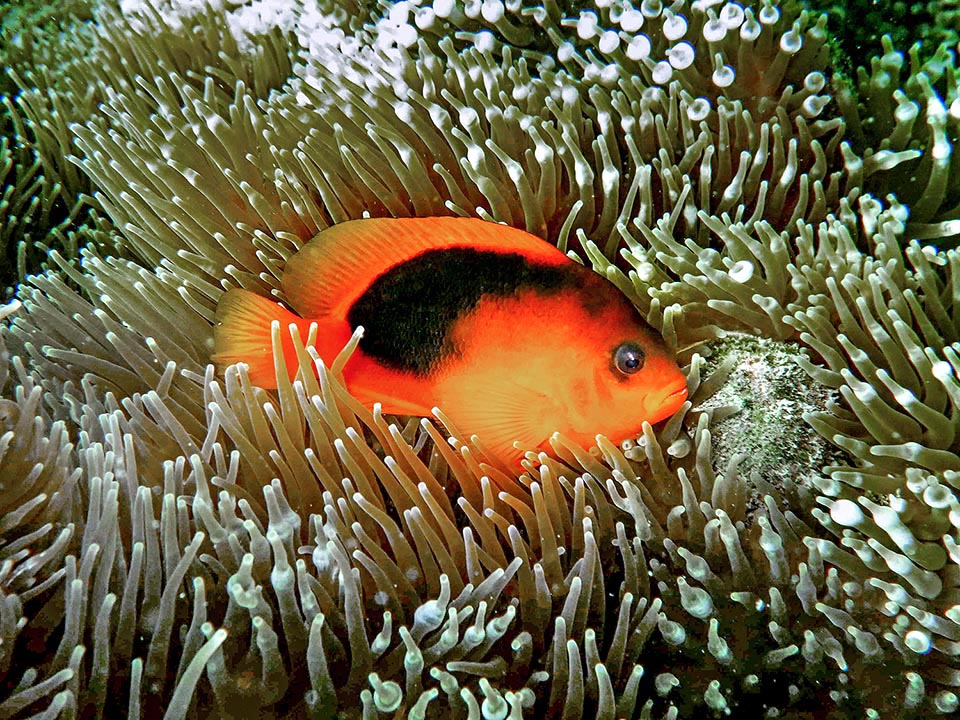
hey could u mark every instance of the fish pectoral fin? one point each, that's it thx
(503, 413)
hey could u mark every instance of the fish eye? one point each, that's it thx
(628, 357)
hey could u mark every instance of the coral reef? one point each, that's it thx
(181, 544)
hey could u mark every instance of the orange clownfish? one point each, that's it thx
(499, 329)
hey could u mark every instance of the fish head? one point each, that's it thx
(618, 372)
(580, 361)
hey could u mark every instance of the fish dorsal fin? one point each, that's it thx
(336, 267)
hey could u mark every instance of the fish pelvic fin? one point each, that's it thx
(243, 334)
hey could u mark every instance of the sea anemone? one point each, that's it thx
(178, 542)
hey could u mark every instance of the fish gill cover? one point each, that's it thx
(175, 543)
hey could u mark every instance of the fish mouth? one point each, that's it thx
(662, 405)
(667, 401)
(680, 394)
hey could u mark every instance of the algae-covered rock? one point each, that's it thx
(761, 408)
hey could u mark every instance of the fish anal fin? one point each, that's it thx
(327, 275)
(390, 404)
(398, 393)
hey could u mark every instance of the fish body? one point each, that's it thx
(508, 336)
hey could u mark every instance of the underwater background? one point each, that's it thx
(773, 184)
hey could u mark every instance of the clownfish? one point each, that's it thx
(507, 335)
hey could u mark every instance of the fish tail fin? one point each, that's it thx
(243, 334)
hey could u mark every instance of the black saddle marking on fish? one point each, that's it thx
(407, 312)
